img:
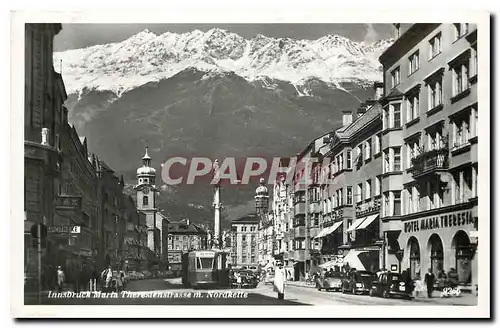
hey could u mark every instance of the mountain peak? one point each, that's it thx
(146, 57)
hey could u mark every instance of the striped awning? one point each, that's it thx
(355, 224)
(329, 230)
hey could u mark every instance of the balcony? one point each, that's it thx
(429, 162)
(300, 232)
(314, 208)
(371, 206)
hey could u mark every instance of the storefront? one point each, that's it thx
(439, 242)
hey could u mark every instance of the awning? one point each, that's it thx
(330, 264)
(329, 230)
(353, 260)
(355, 224)
(367, 221)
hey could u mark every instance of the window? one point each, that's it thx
(397, 158)
(435, 93)
(340, 197)
(473, 123)
(460, 78)
(435, 46)
(473, 66)
(397, 115)
(386, 161)
(368, 151)
(204, 263)
(368, 189)
(412, 107)
(349, 159)
(395, 77)
(177, 238)
(349, 195)
(359, 193)
(385, 118)
(386, 204)
(435, 139)
(414, 62)
(461, 130)
(243, 229)
(460, 30)
(145, 201)
(412, 151)
(376, 146)
(435, 194)
(397, 202)
(378, 186)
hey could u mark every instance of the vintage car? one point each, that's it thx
(358, 282)
(389, 284)
(248, 279)
(329, 281)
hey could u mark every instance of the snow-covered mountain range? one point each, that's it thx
(147, 57)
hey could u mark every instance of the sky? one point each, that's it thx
(74, 36)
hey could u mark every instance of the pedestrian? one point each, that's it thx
(279, 281)
(107, 276)
(60, 279)
(429, 281)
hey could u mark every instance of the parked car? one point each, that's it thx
(329, 281)
(389, 284)
(248, 279)
(358, 282)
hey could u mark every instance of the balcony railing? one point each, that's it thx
(429, 162)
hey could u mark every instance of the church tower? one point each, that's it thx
(146, 202)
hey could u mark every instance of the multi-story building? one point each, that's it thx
(162, 223)
(245, 234)
(76, 203)
(136, 236)
(43, 116)
(306, 210)
(429, 145)
(112, 219)
(280, 212)
(351, 194)
(183, 237)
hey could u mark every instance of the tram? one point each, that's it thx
(205, 268)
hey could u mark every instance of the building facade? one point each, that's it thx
(146, 202)
(184, 237)
(136, 237)
(245, 234)
(429, 137)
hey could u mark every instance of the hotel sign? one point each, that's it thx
(441, 221)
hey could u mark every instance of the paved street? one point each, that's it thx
(171, 292)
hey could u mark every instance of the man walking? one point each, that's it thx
(279, 281)
(60, 279)
(429, 281)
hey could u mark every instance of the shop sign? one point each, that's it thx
(338, 214)
(441, 221)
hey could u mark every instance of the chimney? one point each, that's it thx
(378, 88)
(346, 118)
(187, 222)
(397, 30)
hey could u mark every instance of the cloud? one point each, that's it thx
(371, 34)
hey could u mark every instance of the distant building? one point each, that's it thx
(136, 237)
(146, 191)
(244, 236)
(183, 237)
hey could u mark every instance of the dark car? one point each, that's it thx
(389, 284)
(329, 281)
(248, 279)
(358, 282)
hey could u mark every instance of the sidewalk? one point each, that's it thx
(466, 299)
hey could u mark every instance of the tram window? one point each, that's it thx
(205, 263)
